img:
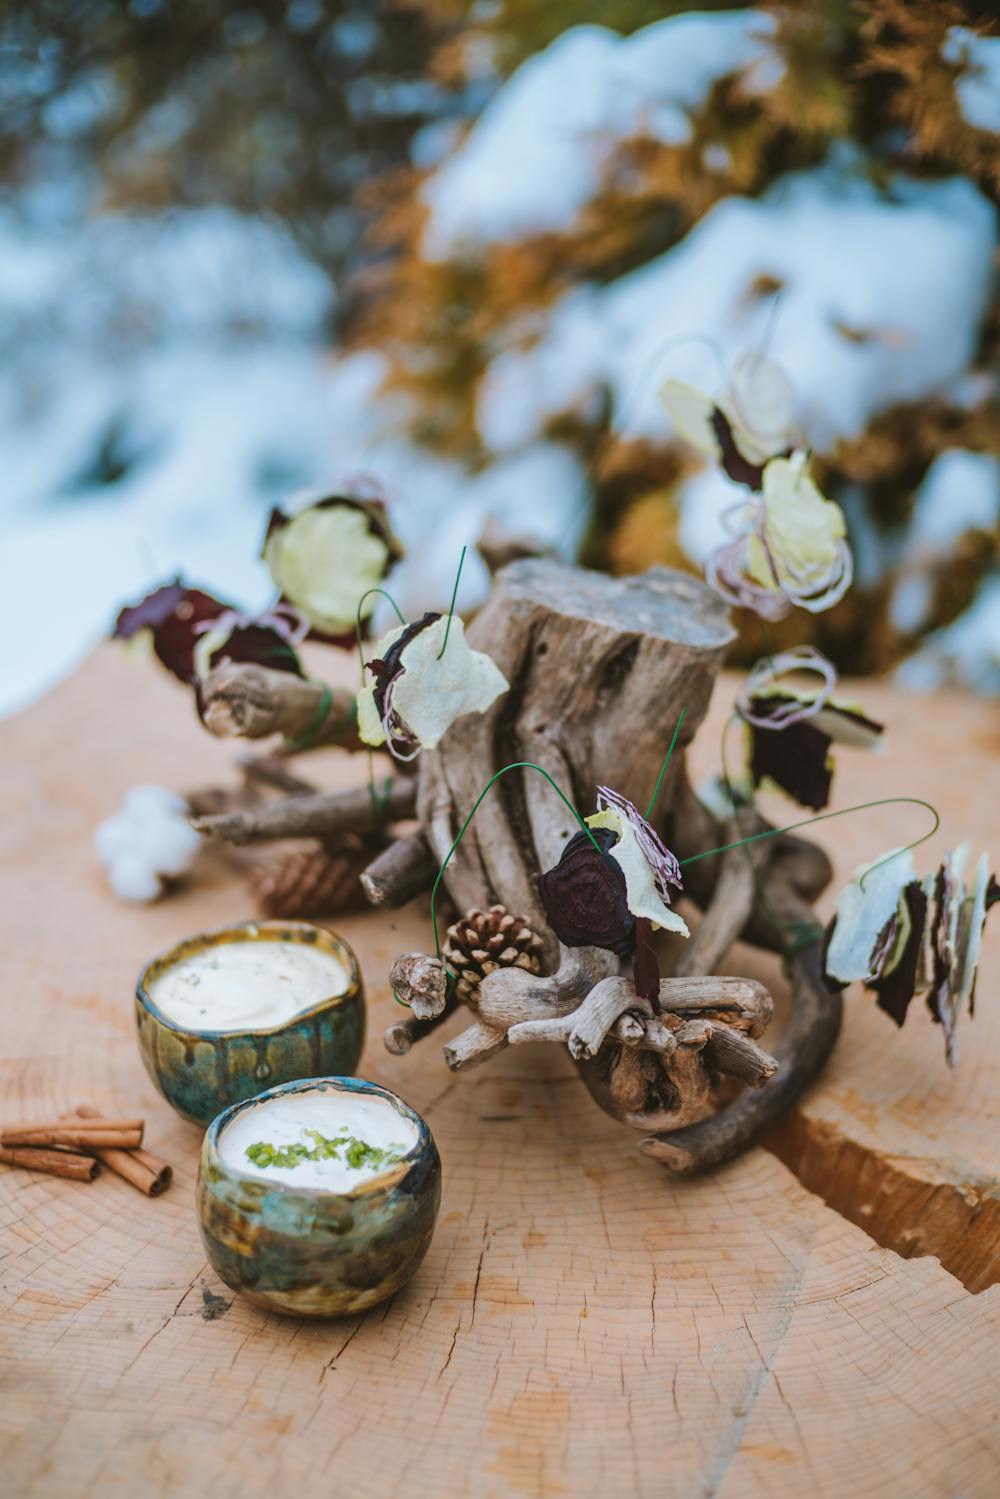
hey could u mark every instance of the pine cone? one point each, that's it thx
(313, 881)
(485, 940)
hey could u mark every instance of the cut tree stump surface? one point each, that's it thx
(582, 1325)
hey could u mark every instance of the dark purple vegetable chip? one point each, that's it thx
(584, 896)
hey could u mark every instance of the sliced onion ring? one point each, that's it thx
(766, 672)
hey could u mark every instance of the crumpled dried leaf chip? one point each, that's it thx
(614, 896)
(902, 937)
(750, 423)
(415, 697)
(324, 557)
(789, 547)
(647, 864)
(896, 985)
(192, 631)
(869, 918)
(949, 946)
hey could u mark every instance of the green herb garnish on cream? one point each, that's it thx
(356, 1153)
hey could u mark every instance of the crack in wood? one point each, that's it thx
(903, 1203)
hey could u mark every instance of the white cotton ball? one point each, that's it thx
(148, 840)
(113, 837)
(167, 844)
(170, 844)
(153, 801)
(132, 879)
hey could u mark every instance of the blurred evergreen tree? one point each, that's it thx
(289, 109)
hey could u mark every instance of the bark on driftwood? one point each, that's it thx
(600, 669)
(321, 814)
(245, 701)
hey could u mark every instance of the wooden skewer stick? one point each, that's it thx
(139, 1168)
(54, 1162)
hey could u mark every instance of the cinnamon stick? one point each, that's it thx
(80, 1134)
(100, 1125)
(54, 1162)
(139, 1168)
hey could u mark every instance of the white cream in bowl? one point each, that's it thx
(255, 985)
(365, 1133)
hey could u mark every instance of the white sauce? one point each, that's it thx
(285, 1119)
(254, 985)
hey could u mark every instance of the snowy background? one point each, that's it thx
(170, 373)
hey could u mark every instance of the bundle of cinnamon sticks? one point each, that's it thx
(73, 1144)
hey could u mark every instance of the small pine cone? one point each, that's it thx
(313, 881)
(485, 940)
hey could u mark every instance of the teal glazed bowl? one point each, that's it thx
(201, 1072)
(309, 1251)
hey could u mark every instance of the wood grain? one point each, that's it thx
(582, 1325)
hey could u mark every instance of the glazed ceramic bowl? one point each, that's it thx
(202, 1072)
(313, 1252)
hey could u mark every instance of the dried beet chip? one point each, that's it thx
(179, 619)
(895, 990)
(585, 899)
(645, 965)
(736, 467)
(796, 759)
(260, 645)
(171, 613)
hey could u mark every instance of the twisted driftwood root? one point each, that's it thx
(399, 1038)
(817, 1012)
(599, 669)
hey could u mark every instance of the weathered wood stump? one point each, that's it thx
(600, 669)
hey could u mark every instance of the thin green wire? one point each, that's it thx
(515, 765)
(801, 932)
(663, 767)
(357, 621)
(378, 801)
(885, 801)
(451, 609)
(309, 734)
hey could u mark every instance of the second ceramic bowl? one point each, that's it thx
(201, 1072)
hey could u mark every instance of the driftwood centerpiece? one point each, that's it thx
(600, 669)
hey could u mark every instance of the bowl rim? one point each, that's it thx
(253, 931)
(385, 1180)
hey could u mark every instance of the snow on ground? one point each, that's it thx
(882, 298)
(534, 157)
(168, 381)
(960, 492)
(966, 652)
(978, 85)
